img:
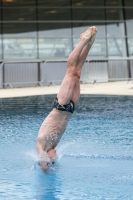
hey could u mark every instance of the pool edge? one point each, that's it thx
(107, 89)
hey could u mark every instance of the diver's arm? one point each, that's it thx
(42, 155)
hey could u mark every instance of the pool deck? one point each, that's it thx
(110, 88)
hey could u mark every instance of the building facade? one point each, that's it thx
(50, 29)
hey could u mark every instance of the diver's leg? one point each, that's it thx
(68, 83)
(70, 88)
(82, 58)
(83, 55)
(86, 49)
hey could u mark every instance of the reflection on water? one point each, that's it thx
(45, 188)
(94, 155)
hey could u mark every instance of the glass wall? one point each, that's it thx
(49, 29)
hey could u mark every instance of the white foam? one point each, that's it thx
(33, 155)
(62, 149)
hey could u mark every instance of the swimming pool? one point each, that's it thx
(95, 155)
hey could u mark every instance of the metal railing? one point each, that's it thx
(24, 73)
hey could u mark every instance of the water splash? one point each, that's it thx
(63, 148)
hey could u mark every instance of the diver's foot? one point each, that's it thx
(89, 35)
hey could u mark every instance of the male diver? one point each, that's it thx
(55, 123)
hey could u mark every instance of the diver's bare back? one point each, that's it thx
(52, 129)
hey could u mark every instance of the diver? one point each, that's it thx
(55, 123)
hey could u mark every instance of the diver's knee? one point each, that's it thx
(74, 73)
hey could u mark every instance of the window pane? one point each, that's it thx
(79, 28)
(114, 2)
(0, 49)
(18, 3)
(130, 46)
(54, 48)
(128, 3)
(88, 3)
(116, 47)
(115, 29)
(88, 14)
(98, 48)
(19, 30)
(54, 29)
(20, 48)
(114, 14)
(0, 31)
(53, 14)
(0, 12)
(129, 24)
(129, 13)
(55, 3)
(21, 14)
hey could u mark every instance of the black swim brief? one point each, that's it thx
(68, 107)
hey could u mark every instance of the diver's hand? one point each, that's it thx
(47, 157)
(52, 155)
(43, 160)
(43, 166)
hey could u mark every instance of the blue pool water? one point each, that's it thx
(95, 154)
